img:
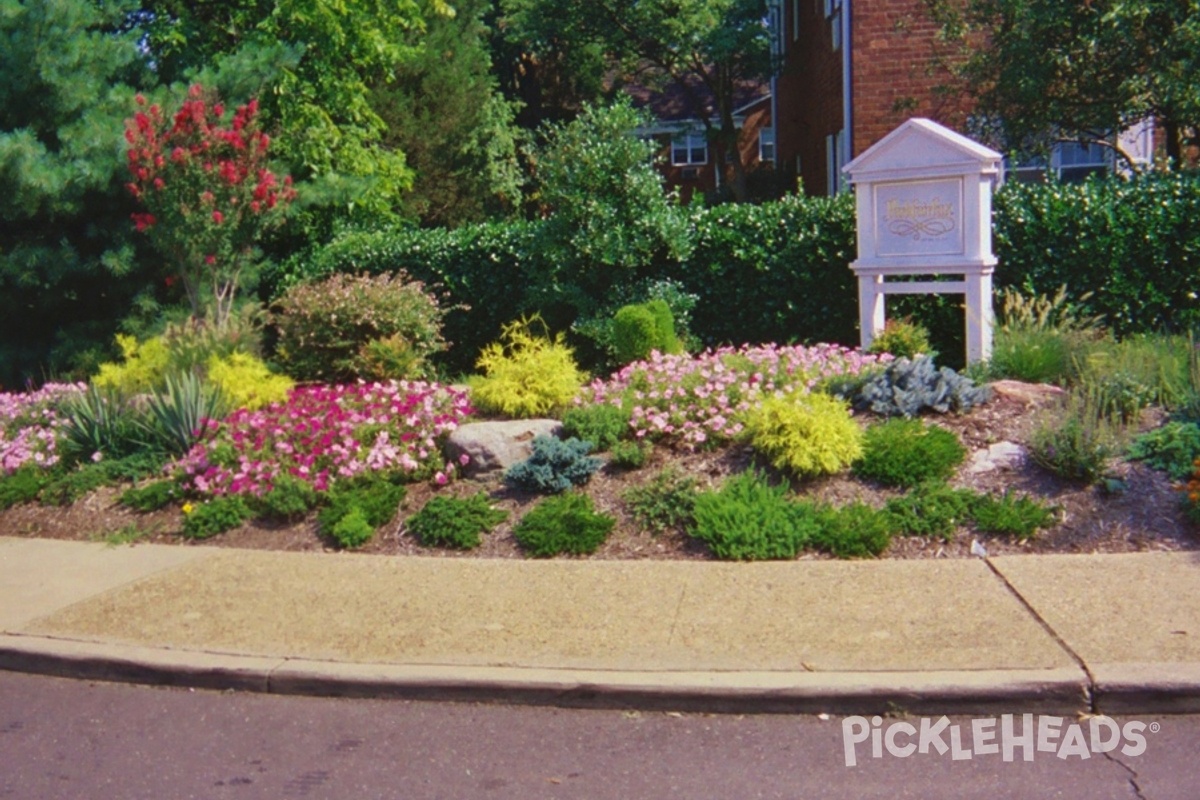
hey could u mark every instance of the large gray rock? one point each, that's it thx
(497, 445)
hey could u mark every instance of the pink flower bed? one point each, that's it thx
(700, 400)
(29, 424)
(326, 433)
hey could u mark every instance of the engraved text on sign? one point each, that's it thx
(919, 218)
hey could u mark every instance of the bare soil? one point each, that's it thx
(1146, 516)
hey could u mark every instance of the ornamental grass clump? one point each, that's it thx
(526, 373)
(907, 452)
(325, 434)
(700, 401)
(806, 434)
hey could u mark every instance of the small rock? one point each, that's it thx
(1002, 455)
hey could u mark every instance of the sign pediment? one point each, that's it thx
(921, 146)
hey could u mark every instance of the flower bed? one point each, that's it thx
(699, 400)
(29, 425)
(325, 433)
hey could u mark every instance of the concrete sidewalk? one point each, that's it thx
(1024, 634)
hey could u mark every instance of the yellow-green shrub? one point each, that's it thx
(525, 374)
(246, 382)
(144, 367)
(811, 434)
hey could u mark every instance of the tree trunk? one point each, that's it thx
(728, 142)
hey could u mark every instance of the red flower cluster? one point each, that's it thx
(204, 184)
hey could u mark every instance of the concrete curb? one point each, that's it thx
(1160, 688)
(1050, 691)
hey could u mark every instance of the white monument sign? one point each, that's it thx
(924, 206)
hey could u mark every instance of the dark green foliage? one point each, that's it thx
(289, 499)
(565, 523)
(144, 464)
(603, 425)
(906, 452)
(555, 466)
(352, 530)
(664, 504)
(931, 509)
(215, 516)
(747, 519)
(68, 268)
(631, 455)
(1019, 517)
(455, 521)
(375, 498)
(71, 486)
(22, 486)
(151, 496)
(1135, 243)
(1173, 449)
(853, 531)
(908, 387)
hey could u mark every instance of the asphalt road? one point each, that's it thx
(94, 741)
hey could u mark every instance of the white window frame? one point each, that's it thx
(835, 159)
(766, 141)
(691, 141)
(833, 13)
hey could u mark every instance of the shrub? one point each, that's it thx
(602, 424)
(152, 496)
(1172, 449)
(455, 521)
(566, 523)
(22, 486)
(525, 374)
(907, 388)
(352, 530)
(631, 455)
(664, 504)
(747, 520)
(554, 466)
(1075, 441)
(246, 382)
(375, 498)
(182, 413)
(906, 452)
(640, 329)
(288, 499)
(808, 434)
(101, 422)
(67, 488)
(902, 338)
(1019, 517)
(853, 531)
(141, 369)
(327, 328)
(932, 509)
(214, 516)
(699, 400)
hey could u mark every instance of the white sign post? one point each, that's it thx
(924, 207)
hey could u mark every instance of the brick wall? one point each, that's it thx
(893, 69)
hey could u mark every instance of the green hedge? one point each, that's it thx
(1134, 243)
(779, 272)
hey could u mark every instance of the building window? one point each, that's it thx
(833, 13)
(835, 159)
(766, 145)
(775, 15)
(1069, 162)
(688, 149)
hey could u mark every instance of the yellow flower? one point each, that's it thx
(188, 508)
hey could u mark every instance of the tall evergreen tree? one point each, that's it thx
(66, 243)
(444, 111)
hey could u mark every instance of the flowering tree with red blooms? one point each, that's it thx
(206, 192)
